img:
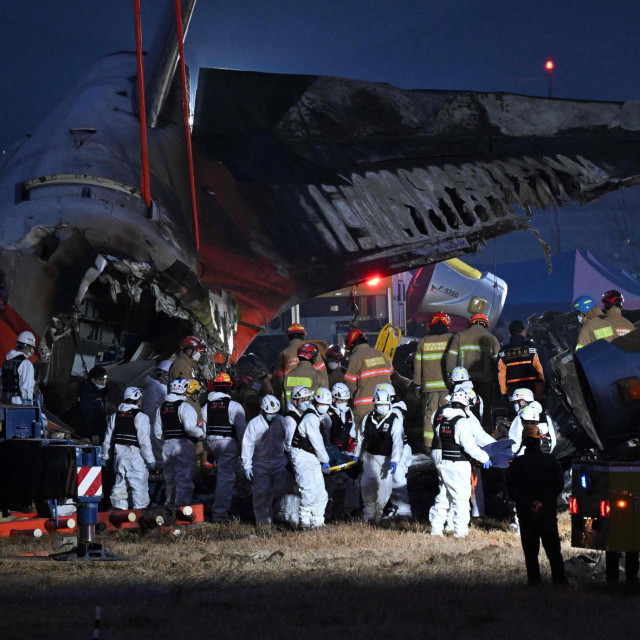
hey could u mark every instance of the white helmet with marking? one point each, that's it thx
(26, 337)
(322, 396)
(178, 386)
(340, 391)
(388, 387)
(133, 393)
(461, 396)
(522, 394)
(299, 392)
(459, 374)
(530, 413)
(270, 404)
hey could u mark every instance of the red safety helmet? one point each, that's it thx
(352, 336)
(479, 318)
(612, 298)
(191, 342)
(335, 352)
(442, 317)
(221, 380)
(308, 352)
(296, 328)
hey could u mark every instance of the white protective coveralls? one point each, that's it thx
(455, 475)
(400, 506)
(547, 430)
(153, 397)
(263, 453)
(308, 470)
(377, 482)
(130, 461)
(346, 488)
(26, 377)
(179, 454)
(225, 451)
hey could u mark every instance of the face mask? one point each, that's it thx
(382, 409)
(332, 366)
(322, 409)
(196, 356)
(269, 417)
(101, 386)
(30, 352)
(304, 406)
(342, 406)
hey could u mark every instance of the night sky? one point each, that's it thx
(455, 44)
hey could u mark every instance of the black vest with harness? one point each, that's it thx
(339, 435)
(451, 450)
(172, 428)
(299, 441)
(124, 430)
(377, 436)
(218, 421)
(10, 375)
(521, 373)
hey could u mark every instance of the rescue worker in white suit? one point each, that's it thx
(264, 460)
(453, 431)
(310, 460)
(18, 376)
(381, 444)
(225, 424)
(460, 380)
(400, 506)
(177, 426)
(128, 433)
(153, 396)
(524, 398)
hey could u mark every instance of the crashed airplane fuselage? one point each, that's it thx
(304, 184)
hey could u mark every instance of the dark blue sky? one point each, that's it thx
(487, 45)
(452, 44)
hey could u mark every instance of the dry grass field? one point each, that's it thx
(349, 580)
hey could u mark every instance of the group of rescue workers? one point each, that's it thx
(326, 439)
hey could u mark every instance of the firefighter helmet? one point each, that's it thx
(27, 338)
(461, 396)
(133, 393)
(270, 404)
(479, 318)
(221, 380)
(296, 329)
(459, 374)
(193, 387)
(335, 352)
(584, 304)
(322, 396)
(522, 394)
(178, 386)
(308, 351)
(191, 342)
(300, 392)
(612, 298)
(353, 335)
(340, 391)
(441, 317)
(529, 413)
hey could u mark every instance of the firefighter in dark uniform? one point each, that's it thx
(518, 364)
(535, 479)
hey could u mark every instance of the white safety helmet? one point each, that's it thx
(270, 404)
(165, 365)
(461, 396)
(299, 392)
(340, 391)
(522, 394)
(178, 386)
(388, 387)
(132, 393)
(537, 406)
(459, 374)
(322, 396)
(465, 384)
(471, 394)
(26, 337)
(530, 413)
(381, 396)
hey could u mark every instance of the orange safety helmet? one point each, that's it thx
(351, 337)
(307, 351)
(442, 317)
(221, 380)
(296, 328)
(479, 318)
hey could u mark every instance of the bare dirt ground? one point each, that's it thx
(348, 579)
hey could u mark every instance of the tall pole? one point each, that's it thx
(549, 66)
(145, 185)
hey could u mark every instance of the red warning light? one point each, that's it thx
(374, 281)
(548, 65)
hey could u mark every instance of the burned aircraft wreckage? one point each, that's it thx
(305, 184)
